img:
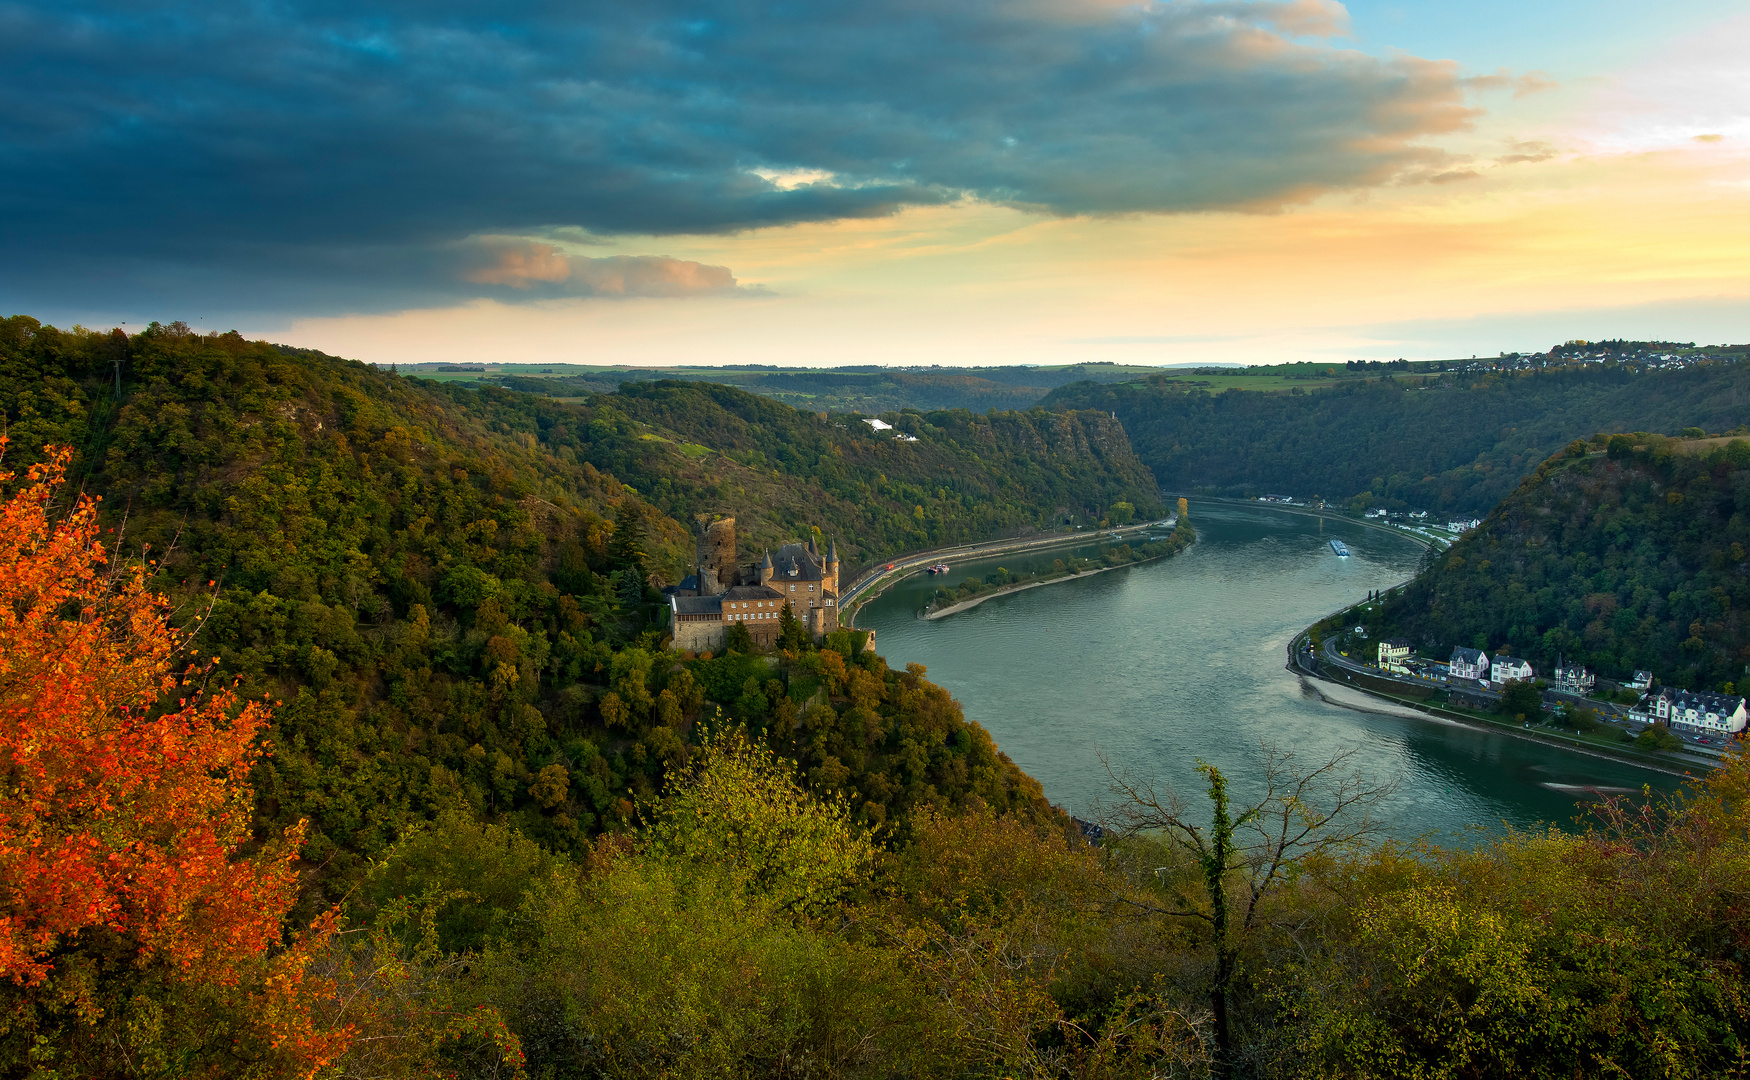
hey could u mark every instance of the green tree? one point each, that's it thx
(1521, 700)
(792, 635)
(1302, 815)
(739, 809)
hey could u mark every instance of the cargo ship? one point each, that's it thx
(1337, 546)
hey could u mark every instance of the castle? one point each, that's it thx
(722, 592)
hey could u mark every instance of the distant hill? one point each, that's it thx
(1455, 442)
(967, 476)
(1622, 553)
(868, 389)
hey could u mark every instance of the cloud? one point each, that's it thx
(542, 269)
(521, 266)
(310, 154)
(1695, 86)
(1523, 85)
(1526, 152)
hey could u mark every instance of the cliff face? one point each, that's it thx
(1621, 554)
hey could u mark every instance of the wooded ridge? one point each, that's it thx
(1453, 444)
(1622, 553)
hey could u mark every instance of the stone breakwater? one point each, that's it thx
(872, 585)
(972, 602)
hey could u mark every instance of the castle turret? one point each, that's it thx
(766, 570)
(832, 567)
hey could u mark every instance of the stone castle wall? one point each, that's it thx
(705, 635)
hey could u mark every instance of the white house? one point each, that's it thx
(1575, 679)
(1394, 655)
(1507, 668)
(1699, 709)
(1641, 681)
(1468, 664)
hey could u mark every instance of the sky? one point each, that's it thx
(892, 181)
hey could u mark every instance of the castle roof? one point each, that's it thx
(750, 592)
(689, 586)
(794, 562)
(697, 605)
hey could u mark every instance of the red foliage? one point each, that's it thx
(124, 794)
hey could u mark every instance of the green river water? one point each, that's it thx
(1159, 665)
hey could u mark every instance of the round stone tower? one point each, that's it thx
(716, 557)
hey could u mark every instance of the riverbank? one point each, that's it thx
(1006, 590)
(1365, 699)
(871, 587)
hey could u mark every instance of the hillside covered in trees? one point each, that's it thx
(495, 830)
(1624, 552)
(965, 477)
(865, 389)
(458, 609)
(1454, 444)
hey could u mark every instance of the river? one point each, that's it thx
(1160, 665)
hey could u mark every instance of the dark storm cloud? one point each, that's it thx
(313, 155)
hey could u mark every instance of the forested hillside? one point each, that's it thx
(868, 389)
(454, 605)
(1622, 553)
(1455, 445)
(966, 476)
(557, 850)
(691, 448)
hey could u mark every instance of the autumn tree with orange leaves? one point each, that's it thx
(136, 936)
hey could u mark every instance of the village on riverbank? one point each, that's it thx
(1666, 729)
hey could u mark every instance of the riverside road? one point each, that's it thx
(1301, 658)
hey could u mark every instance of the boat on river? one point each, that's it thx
(1338, 547)
(939, 568)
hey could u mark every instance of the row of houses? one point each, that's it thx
(1698, 710)
(1475, 664)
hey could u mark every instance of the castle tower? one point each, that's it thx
(716, 557)
(766, 570)
(832, 569)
